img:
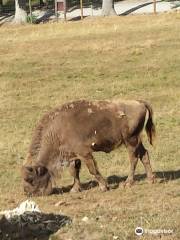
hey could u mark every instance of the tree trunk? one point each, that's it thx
(108, 8)
(41, 3)
(20, 13)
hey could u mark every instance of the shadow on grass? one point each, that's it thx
(78, 18)
(84, 186)
(46, 17)
(115, 180)
(164, 176)
(31, 225)
(6, 17)
(136, 8)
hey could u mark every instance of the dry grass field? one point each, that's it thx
(134, 57)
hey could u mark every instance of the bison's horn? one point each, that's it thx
(40, 170)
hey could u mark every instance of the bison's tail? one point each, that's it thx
(150, 127)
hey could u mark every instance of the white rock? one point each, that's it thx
(85, 219)
(115, 237)
(25, 206)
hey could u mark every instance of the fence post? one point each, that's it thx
(81, 6)
(30, 11)
(154, 4)
(91, 9)
(65, 8)
(56, 13)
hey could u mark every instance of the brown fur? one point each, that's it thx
(75, 130)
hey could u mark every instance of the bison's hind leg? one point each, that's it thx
(74, 169)
(144, 157)
(132, 146)
(137, 150)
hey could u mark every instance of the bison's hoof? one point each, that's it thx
(104, 188)
(76, 189)
(152, 179)
(128, 183)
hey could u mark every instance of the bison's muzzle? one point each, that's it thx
(36, 180)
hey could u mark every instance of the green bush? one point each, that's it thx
(31, 19)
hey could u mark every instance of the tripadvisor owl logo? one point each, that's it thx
(139, 231)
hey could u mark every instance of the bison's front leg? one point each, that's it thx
(74, 169)
(93, 169)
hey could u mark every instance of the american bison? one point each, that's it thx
(70, 134)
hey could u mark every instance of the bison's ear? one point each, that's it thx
(26, 171)
(27, 174)
(41, 171)
(29, 169)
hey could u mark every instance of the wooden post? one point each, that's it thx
(65, 8)
(91, 9)
(56, 13)
(81, 6)
(154, 5)
(30, 11)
